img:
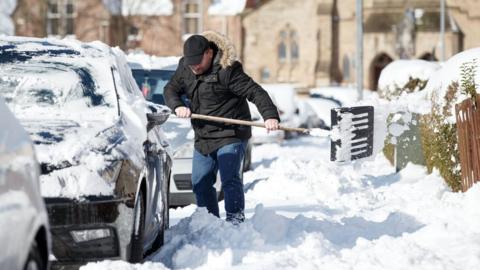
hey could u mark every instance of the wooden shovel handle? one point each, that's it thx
(242, 122)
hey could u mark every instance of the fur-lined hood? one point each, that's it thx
(225, 46)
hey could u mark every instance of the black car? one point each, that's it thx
(104, 161)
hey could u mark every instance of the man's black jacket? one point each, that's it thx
(222, 91)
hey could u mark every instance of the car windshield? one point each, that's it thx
(53, 86)
(152, 82)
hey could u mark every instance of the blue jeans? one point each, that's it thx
(228, 160)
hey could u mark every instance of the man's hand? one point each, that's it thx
(271, 124)
(183, 112)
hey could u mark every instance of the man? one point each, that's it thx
(215, 84)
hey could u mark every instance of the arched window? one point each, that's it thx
(288, 46)
(282, 47)
(346, 68)
(294, 53)
(265, 74)
(282, 52)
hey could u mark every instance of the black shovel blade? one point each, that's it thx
(356, 133)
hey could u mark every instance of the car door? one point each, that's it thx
(16, 209)
(153, 143)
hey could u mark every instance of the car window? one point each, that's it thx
(152, 82)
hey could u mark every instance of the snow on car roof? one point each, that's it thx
(226, 7)
(55, 69)
(139, 7)
(144, 61)
(67, 69)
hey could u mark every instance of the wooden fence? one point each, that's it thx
(468, 131)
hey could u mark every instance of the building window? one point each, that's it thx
(192, 17)
(288, 49)
(61, 18)
(282, 47)
(133, 33)
(294, 46)
(346, 68)
(265, 74)
(282, 52)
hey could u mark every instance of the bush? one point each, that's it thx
(439, 139)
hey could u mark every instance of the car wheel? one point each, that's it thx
(160, 240)
(34, 260)
(136, 243)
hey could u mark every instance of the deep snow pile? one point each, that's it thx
(451, 72)
(397, 74)
(305, 212)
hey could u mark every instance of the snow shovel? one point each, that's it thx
(351, 135)
(352, 129)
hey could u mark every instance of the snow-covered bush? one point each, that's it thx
(396, 79)
(448, 86)
(405, 76)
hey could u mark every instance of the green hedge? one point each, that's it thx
(439, 139)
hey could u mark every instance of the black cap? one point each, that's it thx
(193, 49)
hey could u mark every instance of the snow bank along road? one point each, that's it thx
(305, 212)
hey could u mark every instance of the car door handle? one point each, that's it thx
(164, 144)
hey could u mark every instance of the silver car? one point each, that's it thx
(24, 231)
(104, 164)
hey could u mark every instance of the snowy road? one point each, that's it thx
(305, 212)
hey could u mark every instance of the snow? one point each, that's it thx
(304, 212)
(449, 73)
(6, 9)
(139, 60)
(345, 95)
(226, 7)
(139, 7)
(68, 126)
(284, 98)
(398, 73)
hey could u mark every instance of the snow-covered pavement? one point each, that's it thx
(305, 212)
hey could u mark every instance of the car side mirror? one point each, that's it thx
(158, 114)
(156, 119)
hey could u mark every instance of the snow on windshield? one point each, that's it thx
(65, 94)
(53, 81)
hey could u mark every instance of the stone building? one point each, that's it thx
(312, 42)
(157, 27)
(307, 42)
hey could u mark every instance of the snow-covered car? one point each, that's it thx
(179, 134)
(260, 135)
(24, 230)
(321, 105)
(283, 96)
(104, 161)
